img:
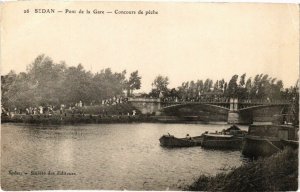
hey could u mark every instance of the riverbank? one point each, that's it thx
(276, 173)
(76, 119)
(119, 113)
(96, 119)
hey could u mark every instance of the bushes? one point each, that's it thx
(276, 173)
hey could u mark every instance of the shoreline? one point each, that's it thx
(76, 119)
(278, 172)
(96, 119)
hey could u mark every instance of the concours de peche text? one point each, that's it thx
(94, 11)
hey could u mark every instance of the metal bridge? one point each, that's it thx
(230, 110)
(230, 104)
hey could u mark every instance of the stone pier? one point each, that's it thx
(233, 114)
(146, 105)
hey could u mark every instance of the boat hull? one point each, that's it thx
(265, 140)
(171, 141)
(232, 144)
(258, 147)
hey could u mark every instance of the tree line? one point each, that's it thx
(261, 87)
(48, 83)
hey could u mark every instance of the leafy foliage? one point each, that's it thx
(49, 83)
(262, 87)
(134, 81)
(160, 85)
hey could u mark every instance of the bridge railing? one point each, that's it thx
(263, 101)
(195, 100)
(220, 100)
(149, 100)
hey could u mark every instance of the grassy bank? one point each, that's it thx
(276, 173)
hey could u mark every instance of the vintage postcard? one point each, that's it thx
(149, 96)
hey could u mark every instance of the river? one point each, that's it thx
(106, 156)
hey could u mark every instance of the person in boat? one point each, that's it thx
(188, 137)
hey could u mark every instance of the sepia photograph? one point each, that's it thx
(149, 96)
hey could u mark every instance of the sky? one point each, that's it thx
(184, 41)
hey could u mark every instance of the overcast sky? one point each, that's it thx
(184, 41)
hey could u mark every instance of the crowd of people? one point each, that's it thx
(114, 100)
(78, 108)
(215, 98)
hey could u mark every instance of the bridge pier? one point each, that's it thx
(146, 105)
(233, 117)
(233, 114)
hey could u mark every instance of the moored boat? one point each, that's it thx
(231, 138)
(171, 141)
(255, 146)
(265, 140)
(218, 141)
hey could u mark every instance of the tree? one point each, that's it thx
(232, 86)
(183, 89)
(161, 83)
(192, 89)
(48, 83)
(134, 81)
(173, 93)
(7, 82)
(199, 86)
(221, 84)
(216, 86)
(22, 93)
(207, 85)
(78, 84)
(276, 89)
(47, 78)
(225, 87)
(108, 84)
(241, 91)
(242, 80)
(248, 87)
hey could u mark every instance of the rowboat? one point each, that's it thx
(171, 141)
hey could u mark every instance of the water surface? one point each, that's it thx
(106, 156)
